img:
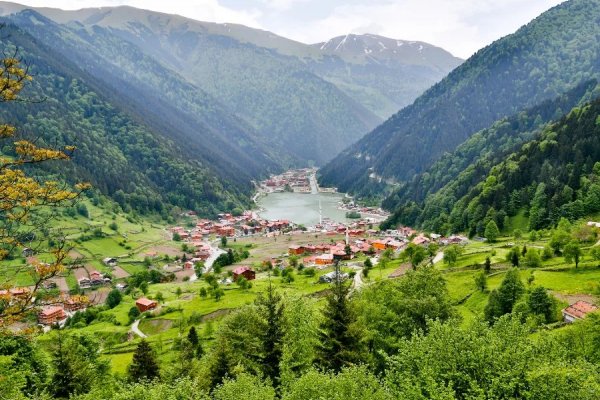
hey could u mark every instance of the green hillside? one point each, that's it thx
(427, 199)
(552, 176)
(547, 57)
(139, 166)
(308, 101)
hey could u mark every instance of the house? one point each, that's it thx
(188, 265)
(244, 271)
(96, 278)
(51, 315)
(578, 310)
(27, 252)
(379, 244)
(143, 304)
(121, 286)
(331, 276)
(84, 283)
(324, 259)
(421, 240)
(295, 250)
(74, 303)
(49, 285)
(593, 224)
(110, 261)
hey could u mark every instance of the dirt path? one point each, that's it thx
(135, 329)
(573, 298)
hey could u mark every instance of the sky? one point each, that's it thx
(459, 26)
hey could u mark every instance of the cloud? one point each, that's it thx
(461, 26)
(203, 10)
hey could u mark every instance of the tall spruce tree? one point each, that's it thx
(270, 307)
(144, 366)
(339, 340)
(192, 336)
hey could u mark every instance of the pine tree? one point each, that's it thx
(270, 307)
(144, 365)
(192, 337)
(491, 231)
(62, 380)
(339, 341)
(487, 267)
(220, 367)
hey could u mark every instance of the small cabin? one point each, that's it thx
(578, 310)
(244, 271)
(143, 304)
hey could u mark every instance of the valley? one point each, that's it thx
(196, 210)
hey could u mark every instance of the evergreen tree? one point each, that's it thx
(339, 341)
(270, 308)
(114, 298)
(63, 382)
(192, 337)
(541, 303)
(491, 231)
(220, 367)
(144, 365)
(502, 301)
(487, 267)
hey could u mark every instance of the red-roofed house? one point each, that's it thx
(244, 271)
(324, 259)
(578, 310)
(51, 315)
(295, 250)
(143, 304)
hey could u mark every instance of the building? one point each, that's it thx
(74, 304)
(110, 261)
(51, 315)
(143, 304)
(331, 276)
(578, 310)
(84, 283)
(244, 271)
(324, 259)
(27, 252)
(296, 250)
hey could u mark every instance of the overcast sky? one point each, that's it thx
(460, 26)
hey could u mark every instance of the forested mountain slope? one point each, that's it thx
(542, 60)
(125, 158)
(555, 175)
(383, 74)
(311, 101)
(429, 197)
(195, 120)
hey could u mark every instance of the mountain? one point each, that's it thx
(137, 159)
(430, 199)
(555, 175)
(383, 74)
(547, 57)
(310, 102)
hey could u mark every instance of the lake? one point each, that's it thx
(301, 208)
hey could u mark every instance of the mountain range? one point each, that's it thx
(227, 103)
(308, 100)
(542, 60)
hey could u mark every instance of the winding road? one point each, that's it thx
(135, 329)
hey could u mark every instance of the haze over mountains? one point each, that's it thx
(312, 102)
(233, 103)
